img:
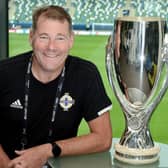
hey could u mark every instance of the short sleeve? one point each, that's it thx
(96, 100)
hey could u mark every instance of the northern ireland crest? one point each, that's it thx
(66, 102)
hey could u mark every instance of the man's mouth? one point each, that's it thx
(51, 55)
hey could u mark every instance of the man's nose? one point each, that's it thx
(52, 44)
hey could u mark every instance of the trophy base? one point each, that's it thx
(136, 156)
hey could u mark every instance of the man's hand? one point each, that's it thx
(34, 157)
(4, 159)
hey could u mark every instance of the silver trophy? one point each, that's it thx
(137, 68)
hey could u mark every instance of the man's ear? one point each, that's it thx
(71, 39)
(31, 37)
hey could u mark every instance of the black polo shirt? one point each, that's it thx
(83, 96)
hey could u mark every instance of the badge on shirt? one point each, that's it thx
(66, 102)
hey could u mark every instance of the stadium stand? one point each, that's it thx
(86, 12)
(81, 11)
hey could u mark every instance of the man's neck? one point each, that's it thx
(43, 75)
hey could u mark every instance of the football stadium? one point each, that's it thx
(93, 22)
(124, 39)
(111, 34)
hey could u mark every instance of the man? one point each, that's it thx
(45, 93)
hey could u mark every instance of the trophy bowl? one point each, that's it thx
(136, 64)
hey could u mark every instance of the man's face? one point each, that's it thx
(51, 42)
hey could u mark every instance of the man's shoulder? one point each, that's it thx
(15, 61)
(81, 64)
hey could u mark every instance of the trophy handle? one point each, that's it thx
(162, 79)
(160, 85)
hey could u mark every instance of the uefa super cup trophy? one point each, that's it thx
(137, 68)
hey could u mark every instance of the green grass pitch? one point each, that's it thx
(93, 48)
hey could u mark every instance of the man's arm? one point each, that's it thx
(4, 159)
(99, 139)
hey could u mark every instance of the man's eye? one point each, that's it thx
(44, 37)
(60, 38)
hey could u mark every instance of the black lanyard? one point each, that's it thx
(26, 100)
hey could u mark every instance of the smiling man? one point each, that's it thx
(44, 95)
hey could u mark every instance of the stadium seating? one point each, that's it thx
(88, 11)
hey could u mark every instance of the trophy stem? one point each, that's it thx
(136, 145)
